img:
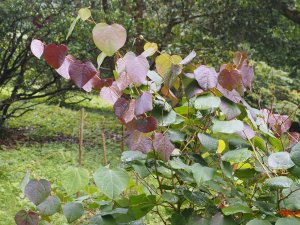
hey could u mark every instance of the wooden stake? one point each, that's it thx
(80, 150)
(104, 149)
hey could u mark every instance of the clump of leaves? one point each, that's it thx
(197, 150)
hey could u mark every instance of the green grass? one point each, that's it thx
(46, 154)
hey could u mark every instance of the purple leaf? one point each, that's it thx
(189, 58)
(97, 83)
(247, 73)
(27, 218)
(123, 81)
(206, 77)
(136, 67)
(146, 124)
(37, 48)
(81, 72)
(143, 103)
(109, 38)
(110, 94)
(37, 190)
(63, 70)
(231, 95)
(136, 141)
(247, 132)
(124, 109)
(294, 138)
(163, 146)
(55, 55)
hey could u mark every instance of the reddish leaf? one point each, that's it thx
(247, 73)
(37, 48)
(143, 103)
(230, 79)
(110, 94)
(81, 72)
(97, 83)
(63, 70)
(27, 218)
(124, 109)
(55, 55)
(278, 123)
(206, 77)
(163, 146)
(136, 141)
(168, 93)
(146, 124)
(136, 67)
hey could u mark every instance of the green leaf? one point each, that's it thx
(287, 221)
(208, 142)
(227, 127)
(112, 182)
(280, 160)
(229, 210)
(295, 154)
(259, 143)
(279, 182)
(50, 206)
(202, 173)
(72, 26)
(258, 222)
(102, 220)
(25, 181)
(207, 102)
(128, 156)
(141, 168)
(170, 197)
(165, 118)
(73, 211)
(100, 59)
(220, 219)
(197, 198)
(74, 179)
(140, 205)
(226, 169)
(236, 156)
(84, 13)
(177, 164)
(292, 202)
(176, 135)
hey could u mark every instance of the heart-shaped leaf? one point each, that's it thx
(136, 141)
(81, 72)
(74, 179)
(110, 94)
(205, 102)
(55, 55)
(143, 103)
(208, 142)
(247, 73)
(84, 13)
(124, 109)
(202, 173)
(206, 77)
(163, 146)
(230, 109)
(73, 211)
(237, 156)
(231, 95)
(37, 48)
(136, 67)
(146, 124)
(109, 38)
(50, 206)
(63, 70)
(228, 127)
(37, 190)
(27, 218)
(280, 160)
(230, 79)
(111, 182)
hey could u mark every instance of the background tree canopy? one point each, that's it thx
(268, 30)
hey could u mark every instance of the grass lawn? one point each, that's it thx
(45, 142)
